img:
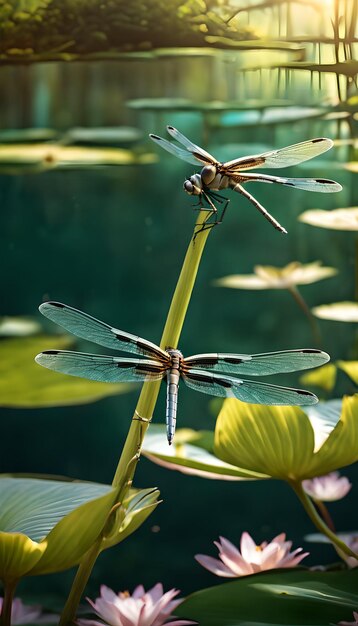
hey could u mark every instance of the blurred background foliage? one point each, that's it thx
(92, 214)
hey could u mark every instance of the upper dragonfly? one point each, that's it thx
(216, 176)
(202, 372)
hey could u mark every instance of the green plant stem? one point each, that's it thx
(146, 403)
(318, 521)
(325, 514)
(316, 333)
(9, 590)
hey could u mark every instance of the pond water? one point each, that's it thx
(110, 240)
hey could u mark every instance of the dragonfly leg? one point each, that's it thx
(259, 206)
(218, 219)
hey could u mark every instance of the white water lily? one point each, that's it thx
(269, 277)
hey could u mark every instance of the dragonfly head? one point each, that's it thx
(193, 185)
(174, 353)
(208, 174)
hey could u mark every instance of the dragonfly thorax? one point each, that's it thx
(208, 174)
(175, 355)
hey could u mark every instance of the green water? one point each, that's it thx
(111, 241)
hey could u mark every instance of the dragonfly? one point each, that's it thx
(216, 176)
(213, 374)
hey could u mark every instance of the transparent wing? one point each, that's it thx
(258, 364)
(192, 154)
(105, 369)
(87, 327)
(322, 185)
(199, 153)
(285, 157)
(247, 390)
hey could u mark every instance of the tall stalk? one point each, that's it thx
(146, 403)
(5, 615)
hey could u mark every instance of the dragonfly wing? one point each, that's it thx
(105, 369)
(258, 364)
(247, 390)
(285, 157)
(199, 153)
(322, 185)
(87, 327)
(173, 149)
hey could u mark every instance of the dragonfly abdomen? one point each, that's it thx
(173, 376)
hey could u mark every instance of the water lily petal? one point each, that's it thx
(215, 566)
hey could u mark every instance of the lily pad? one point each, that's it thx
(286, 442)
(338, 311)
(338, 219)
(191, 453)
(38, 157)
(47, 525)
(269, 277)
(25, 384)
(280, 598)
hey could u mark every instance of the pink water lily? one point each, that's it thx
(252, 558)
(355, 623)
(142, 608)
(28, 614)
(327, 488)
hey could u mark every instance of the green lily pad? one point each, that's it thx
(25, 384)
(280, 598)
(287, 442)
(47, 525)
(338, 219)
(191, 453)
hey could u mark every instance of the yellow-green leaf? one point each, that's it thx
(18, 555)
(350, 368)
(23, 383)
(286, 442)
(138, 505)
(188, 456)
(323, 377)
(47, 525)
(273, 440)
(341, 447)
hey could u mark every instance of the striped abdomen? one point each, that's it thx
(173, 376)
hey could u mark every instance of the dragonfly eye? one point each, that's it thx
(208, 174)
(189, 187)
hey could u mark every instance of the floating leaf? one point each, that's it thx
(24, 384)
(286, 442)
(280, 598)
(323, 377)
(268, 277)
(37, 157)
(18, 326)
(338, 311)
(191, 453)
(137, 506)
(350, 368)
(47, 525)
(339, 219)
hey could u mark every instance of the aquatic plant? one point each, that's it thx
(251, 558)
(28, 613)
(142, 608)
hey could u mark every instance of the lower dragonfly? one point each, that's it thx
(171, 364)
(216, 176)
